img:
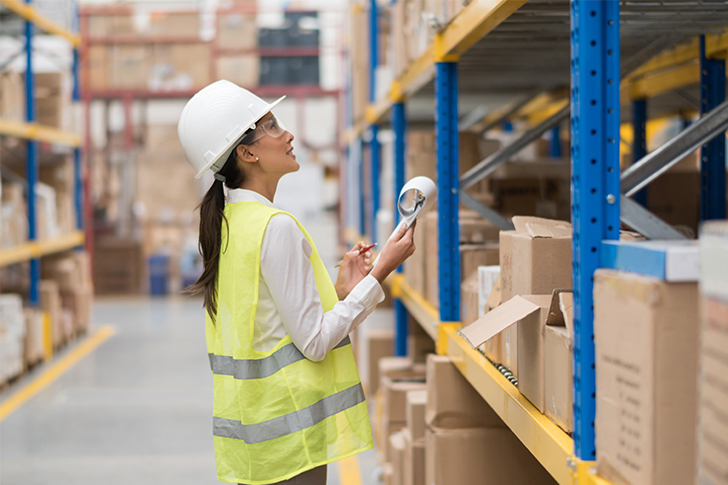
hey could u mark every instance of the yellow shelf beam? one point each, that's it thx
(478, 19)
(651, 85)
(38, 249)
(548, 443)
(421, 310)
(31, 15)
(34, 131)
(472, 24)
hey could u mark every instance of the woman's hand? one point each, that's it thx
(353, 269)
(394, 253)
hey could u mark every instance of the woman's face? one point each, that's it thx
(275, 153)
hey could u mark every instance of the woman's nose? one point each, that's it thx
(291, 136)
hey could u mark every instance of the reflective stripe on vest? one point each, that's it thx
(224, 365)
(289, 423)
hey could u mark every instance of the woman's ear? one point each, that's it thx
(245, 155)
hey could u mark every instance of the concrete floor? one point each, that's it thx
(137, 410)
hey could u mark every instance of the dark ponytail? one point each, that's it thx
(212, 216)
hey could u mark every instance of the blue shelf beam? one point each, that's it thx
(712, 160)
(359, 147)
(639, 141)
(595, 79)
(448, 188)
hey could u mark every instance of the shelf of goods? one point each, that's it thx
(35, 110)
(596, 64)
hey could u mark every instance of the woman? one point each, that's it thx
(288, 399)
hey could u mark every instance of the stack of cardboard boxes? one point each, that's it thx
(12, 337)
(67, 294)
(712, 440)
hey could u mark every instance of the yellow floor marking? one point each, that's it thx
(55, 370)
(349, 471)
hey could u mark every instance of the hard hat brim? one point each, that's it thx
(229, 149)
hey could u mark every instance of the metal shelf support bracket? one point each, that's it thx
(399, 123)
(712, 154)
(595, 79)
(448, 200)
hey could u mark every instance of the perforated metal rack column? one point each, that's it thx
(595, 191)
(374, 148)
(712, 163)
(399, 123)
(32, 161)
(448, 188)
(77, 183)
(639, 140)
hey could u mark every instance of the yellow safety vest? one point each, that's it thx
(276, 413)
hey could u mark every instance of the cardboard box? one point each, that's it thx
(241, 70)
(469, 300)
(535, 258)
(493, 348)
(397, 445)
(471, 257)
(380, 344)
(474, 455)
(129, 66)
(675, 198)
(50, 300)
(712, 463)
(395, 396)
(415, 413)
(419, 343)
(452, 402)
(413, 469)
(524, 354)
(34, 343)
(558, 344)
(646, 343)
(488, 277)
(666, 260)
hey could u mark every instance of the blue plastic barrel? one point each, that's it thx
(158, 274)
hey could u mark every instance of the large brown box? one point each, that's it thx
(646, 344)
(237, 31)
(50, 299)
(535, 258)
(174, 23)
(558, 345)
(118, 267)
(243, 70)
(381, 345)
(521, 321)
(451, 401)
(413, 465)
(713, 357)
(129, 66)
(480, 455)
(471, 256)
(415, 413)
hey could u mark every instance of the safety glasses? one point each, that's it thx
(272, 126)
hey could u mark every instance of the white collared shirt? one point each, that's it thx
(288, 300)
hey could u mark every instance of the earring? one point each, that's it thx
(257, 159)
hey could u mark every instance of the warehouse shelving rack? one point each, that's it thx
(34, 133)
(659, 61)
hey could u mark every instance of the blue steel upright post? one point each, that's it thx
(374, 143)
(594, 185)
(77, 184)
(555, 142)
(32, 160)
(448, 189)
(639, 141)
(399, 123)
(712, 160)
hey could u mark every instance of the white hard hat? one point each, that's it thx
(214, 121)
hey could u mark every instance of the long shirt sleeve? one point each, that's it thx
(287, 279)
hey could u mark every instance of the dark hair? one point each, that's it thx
(211, 218)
